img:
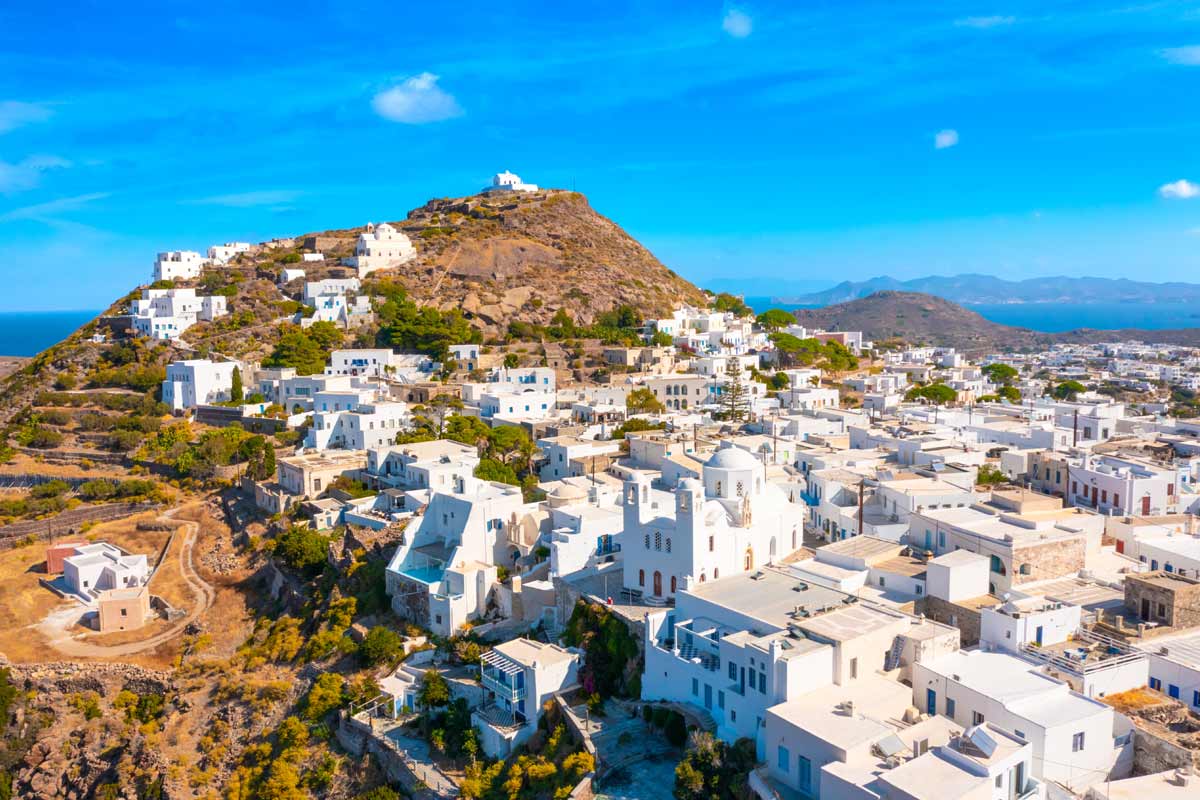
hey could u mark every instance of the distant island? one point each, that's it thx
(972, 289)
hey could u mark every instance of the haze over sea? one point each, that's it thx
(1058, 317)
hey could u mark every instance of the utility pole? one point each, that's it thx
(862, 488)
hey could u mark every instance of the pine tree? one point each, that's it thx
(735, 397)
(236, 392)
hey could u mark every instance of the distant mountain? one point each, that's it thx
(988, 289)
(925, 319)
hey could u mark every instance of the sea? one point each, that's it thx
(27, 333)
(1058, 317)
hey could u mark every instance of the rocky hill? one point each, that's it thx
(524, 256)
(925, 319)
(920, 319)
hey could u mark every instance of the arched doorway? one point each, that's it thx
(748, 564)
(672, 584)
(657, 583)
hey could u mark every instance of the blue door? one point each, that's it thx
(1039, 635)
(708, 697)
(931, 702)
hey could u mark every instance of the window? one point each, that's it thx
(999, 780)
(641, 577)
(668, 544)
(1077, 742)
(658, 540)
(1196, 698)
(881, 583)
(1162, 611)
(711, 542)
(976, 718)
(1156, 684)
(941, 538)
(762, 683)
(720, 699)
(784, 759)
(1173, 691)
(695, 687)
(950, 707)
(920, 590)
(647, 540)
(732, 671)
(853, 668)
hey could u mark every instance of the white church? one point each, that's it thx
(380, 247)
(508, 182)
(730, 521)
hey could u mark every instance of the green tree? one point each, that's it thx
(1000, 373)
(434, 691)
(236, 393)
(511, 360)
(731, 302)
(989, 475)
(775, 318)
(1010, 393)
(735, 395)
(328, 692)
(304, 349)
(643, 401)
(937, 393)
(303, 549)
(1068, 390)
(381, 645)
(490, 469)
(661, 339)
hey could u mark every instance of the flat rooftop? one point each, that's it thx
(902, 565)
(1183, 649)
(865, 547)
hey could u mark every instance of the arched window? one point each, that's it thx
(641, 577)
(748, 563)
(672, 584)
(997, 565)
(658, 540)
(716, 573)
(711, 543)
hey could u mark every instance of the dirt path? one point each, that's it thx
(57, 626)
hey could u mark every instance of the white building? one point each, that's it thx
(1072, 735)
(518, 676)
(178, 265)
(376, 363)
(224, 253)
(167, 313)
(354, 419)
(442, 574)
(508, 182)
(101, 566)
(314, 289)
(730, 521)
(381, 247)
(197, 382)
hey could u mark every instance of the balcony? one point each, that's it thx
(502, 677)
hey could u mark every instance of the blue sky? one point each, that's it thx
(788, 145)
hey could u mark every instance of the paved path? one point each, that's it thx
(58, 624)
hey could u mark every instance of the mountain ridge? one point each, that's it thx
(919, 318)
(976, 288)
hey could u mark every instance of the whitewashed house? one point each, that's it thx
(354, 419)
(509, 182)
(98, 567)
(167, 313)
(178, 265)
(381, 247)
(518, 676)
(224, 253)
(197, 382)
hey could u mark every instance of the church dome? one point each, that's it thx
(566, 494)
(691, 485)
(732, 458)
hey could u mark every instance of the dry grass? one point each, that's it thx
(1133, 700)
(23, 464)
(24, 602)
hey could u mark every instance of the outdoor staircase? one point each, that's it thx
(893, 657)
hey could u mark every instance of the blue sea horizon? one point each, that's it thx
(27, 333)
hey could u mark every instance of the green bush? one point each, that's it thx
(52, 488)
(381, 645)
(303, 549)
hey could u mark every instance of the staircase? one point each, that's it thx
(893, 656)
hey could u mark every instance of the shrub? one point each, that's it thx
(52, 488)
(327, 693)
(303, 550)
(381, 645)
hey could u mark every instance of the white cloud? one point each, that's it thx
(1193, 231)
(45, 212)
(984, 22)
(416, 100)
(27, 173)
(264, 197)
(1187, 56)
(14, 114)
(737, 24)
(945, 138)
(1179, 190)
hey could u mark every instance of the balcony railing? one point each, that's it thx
(501, 688)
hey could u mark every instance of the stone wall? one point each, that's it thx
(1049, 559)
(967, 620)
(1178, 597)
